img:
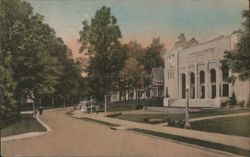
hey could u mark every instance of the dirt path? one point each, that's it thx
(73, 137)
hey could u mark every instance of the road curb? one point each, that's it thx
(186, 144)
(29, 134)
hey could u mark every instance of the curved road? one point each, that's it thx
(73, 137)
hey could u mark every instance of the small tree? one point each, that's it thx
(238, 59)
(232, 99)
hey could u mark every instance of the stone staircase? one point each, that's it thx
(192, 103)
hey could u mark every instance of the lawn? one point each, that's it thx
(212, 112)
(22, 125)
(140, 117)
(193, 141)
(239, 125)
(133, 104)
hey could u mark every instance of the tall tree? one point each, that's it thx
(101, 39)
(238, 59)
(32, 59)
(133, 75)
(135, 50)
(153, 56)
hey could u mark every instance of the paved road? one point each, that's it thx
(73, 137)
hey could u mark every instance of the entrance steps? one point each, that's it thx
(171, 102)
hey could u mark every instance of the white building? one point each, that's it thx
(199, 69)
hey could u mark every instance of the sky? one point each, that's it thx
(143, 20)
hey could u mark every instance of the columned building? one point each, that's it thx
(199, 69)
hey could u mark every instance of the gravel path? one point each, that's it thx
(73, 137)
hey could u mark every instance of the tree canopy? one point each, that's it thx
(238, 59)
(33, 61)
(106, 54)
(154, 55)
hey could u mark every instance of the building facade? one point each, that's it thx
(157, 85)
(199, 69)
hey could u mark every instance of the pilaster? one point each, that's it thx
(207, 81)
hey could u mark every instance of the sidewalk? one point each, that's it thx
(219, 116)
(235, 141)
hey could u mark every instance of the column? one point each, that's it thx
(218, 79)
(196, 81)
(207, 81)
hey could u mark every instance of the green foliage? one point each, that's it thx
(232, 99)
(34, 62)
(107, 56)
(153, 56)
(133, 74)
(7, 85)
(238, 59)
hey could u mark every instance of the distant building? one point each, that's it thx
(199, 69)
(156, 89)
(157, 86)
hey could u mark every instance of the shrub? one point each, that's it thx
(232, 99)
(138, 107)
(114, 114)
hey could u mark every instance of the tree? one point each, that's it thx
(101, 39)
(133, 74)
(33, 59)
(238, 59)
(135, 50)
(153, 56)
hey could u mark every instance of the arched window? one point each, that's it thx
(213, 83)
(192, 85)
(225, 85)
(183, 83)
(202, 84)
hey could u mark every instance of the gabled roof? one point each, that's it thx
(158, 74)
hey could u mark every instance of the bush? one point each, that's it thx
(176, 123)
(138, 107)
(114, 114)
(232, 99)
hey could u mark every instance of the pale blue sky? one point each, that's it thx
(143, 20)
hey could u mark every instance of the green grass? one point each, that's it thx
(22, 125)
(204, 113)
(99, 122)
(193, 141)
(132, 104)
(214, 112)
(140, 117)
(239, 125)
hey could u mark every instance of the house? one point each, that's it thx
(157, 86)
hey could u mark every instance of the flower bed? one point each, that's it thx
(113, 114)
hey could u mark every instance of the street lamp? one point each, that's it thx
(187, 124)
(105, 103)
(91, 104)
